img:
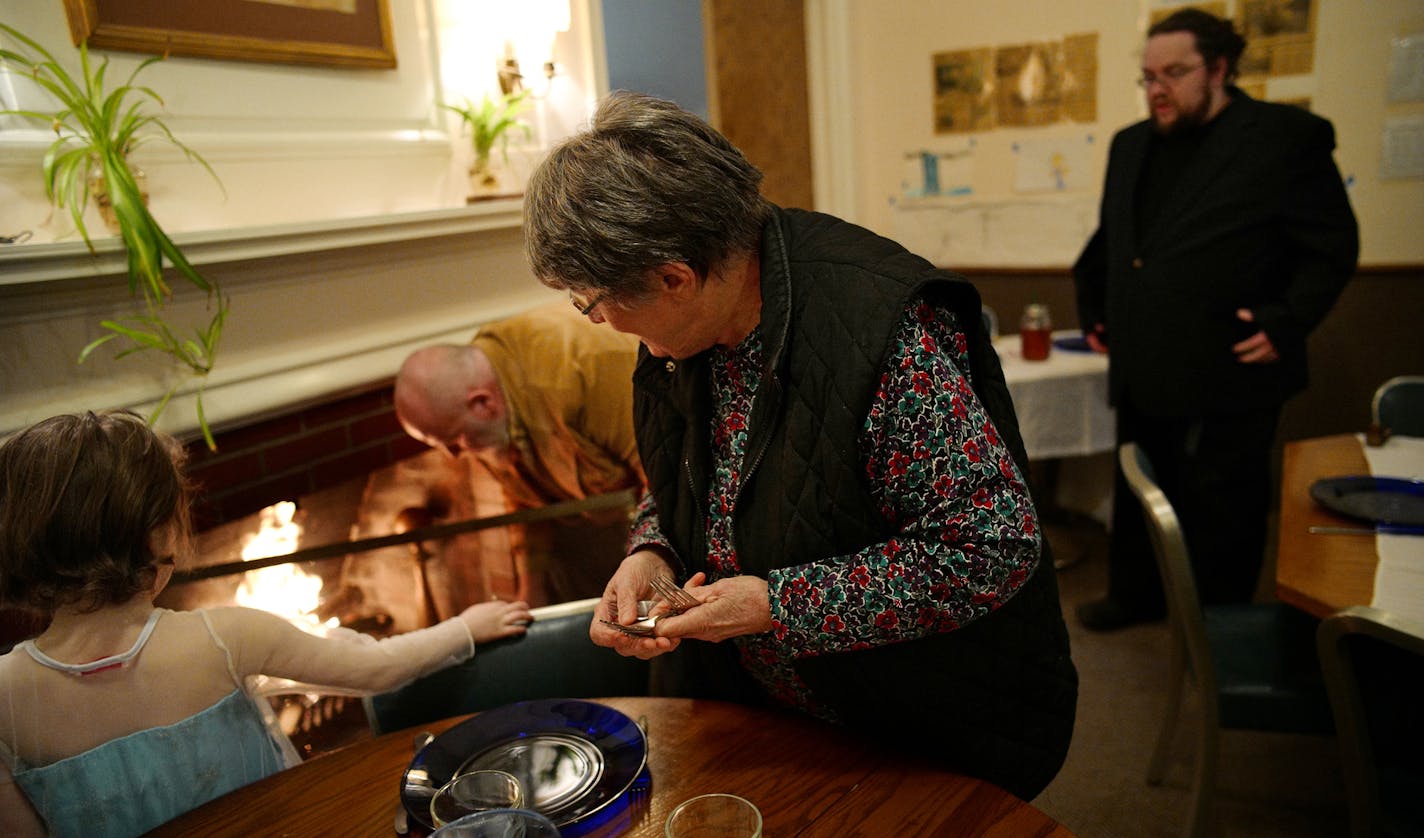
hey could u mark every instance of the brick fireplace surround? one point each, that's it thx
(296, 453)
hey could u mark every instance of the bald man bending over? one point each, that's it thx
(544, 401)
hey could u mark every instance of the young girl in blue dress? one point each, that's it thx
(120, 715)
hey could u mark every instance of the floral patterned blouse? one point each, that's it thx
(967, 538)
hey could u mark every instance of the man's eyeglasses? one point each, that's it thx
(585, 304)
(1170, 75)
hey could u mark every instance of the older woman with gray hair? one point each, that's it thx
(835, 466)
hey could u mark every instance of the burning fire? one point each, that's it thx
(285, 590)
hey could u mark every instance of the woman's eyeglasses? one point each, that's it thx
(584, 304)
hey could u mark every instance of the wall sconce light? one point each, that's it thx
(511, 79)
(532, 26)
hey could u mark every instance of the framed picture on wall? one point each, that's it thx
(340, 33)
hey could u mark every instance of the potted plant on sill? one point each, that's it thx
(490, 122)
(97, 129)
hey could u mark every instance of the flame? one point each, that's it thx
(285, 590)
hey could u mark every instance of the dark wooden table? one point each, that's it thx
(1321, 573)
(808, 779)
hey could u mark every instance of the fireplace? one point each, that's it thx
(398, 587)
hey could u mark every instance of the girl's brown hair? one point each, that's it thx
(80, 495)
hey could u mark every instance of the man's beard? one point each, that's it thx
(1186, 120)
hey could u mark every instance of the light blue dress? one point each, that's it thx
(128, 786)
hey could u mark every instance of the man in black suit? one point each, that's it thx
(1225, 237)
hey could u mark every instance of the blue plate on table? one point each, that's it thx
(1072, 343)
(581, 763)
(1381, 500)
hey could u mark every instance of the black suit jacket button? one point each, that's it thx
(1137, 262)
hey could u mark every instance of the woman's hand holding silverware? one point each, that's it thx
(619, 607)
(730, 607)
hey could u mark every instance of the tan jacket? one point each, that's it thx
(568, 384)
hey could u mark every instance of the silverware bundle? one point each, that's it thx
(676, 600)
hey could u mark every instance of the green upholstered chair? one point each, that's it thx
(553, 659)
(1374, 669)
(1398, 404)
(1254, 664)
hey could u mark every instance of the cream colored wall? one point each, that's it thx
(294, 144)
(1353, 52)
(289, 143)
(890, 47)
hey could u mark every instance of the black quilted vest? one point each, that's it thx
(998, 695)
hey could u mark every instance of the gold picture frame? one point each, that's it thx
(333, 33)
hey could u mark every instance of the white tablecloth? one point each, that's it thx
(1399, 578)
(1061, 402)
(1063, 413)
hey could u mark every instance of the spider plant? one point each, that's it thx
(490, 122)
(96, 129)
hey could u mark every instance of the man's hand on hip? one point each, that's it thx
(1257, 349)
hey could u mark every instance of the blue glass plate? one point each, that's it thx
(1382, 500)
(581, 763)
(1072, 343)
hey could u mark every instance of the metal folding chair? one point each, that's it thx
(1374, 670)
(1254, 664)
(1398, 405)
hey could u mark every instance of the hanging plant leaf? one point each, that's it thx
(96, 128)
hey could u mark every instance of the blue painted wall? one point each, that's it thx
(655, 47)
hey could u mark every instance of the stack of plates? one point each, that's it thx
(582, 764)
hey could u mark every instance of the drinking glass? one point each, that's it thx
(715, 816)
(475, 791)
(499, 823)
